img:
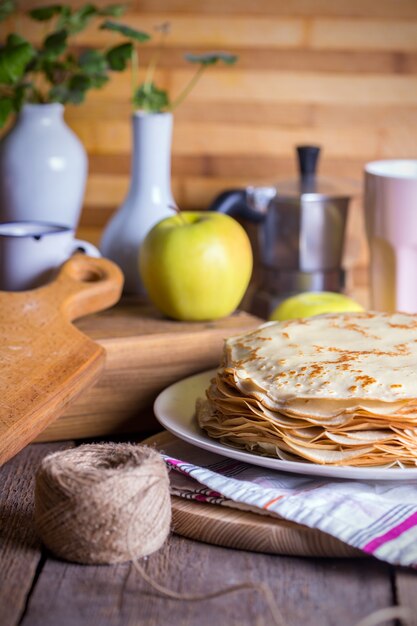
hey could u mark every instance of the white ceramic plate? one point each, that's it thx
(175, 410)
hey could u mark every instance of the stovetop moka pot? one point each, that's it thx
(301, 228)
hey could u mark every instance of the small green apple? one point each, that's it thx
(314, 303)
(196, 265)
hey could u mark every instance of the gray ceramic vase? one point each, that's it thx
(43, 168)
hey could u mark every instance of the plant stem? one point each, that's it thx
(135, 71)
(184, 93)
(150, 72)
(37, 87)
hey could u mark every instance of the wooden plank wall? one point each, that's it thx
(336, 73)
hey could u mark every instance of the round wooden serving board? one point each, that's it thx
(231, 528)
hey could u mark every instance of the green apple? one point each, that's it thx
(314, 303)
(196, 265)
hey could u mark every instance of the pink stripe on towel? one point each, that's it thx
(393, 533)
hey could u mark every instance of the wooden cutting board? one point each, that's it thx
(145, 353)
(45, 361)
(243, 530)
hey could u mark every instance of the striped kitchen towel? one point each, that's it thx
(378, 517)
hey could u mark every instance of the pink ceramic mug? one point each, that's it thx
(31, 253)
(391, 225)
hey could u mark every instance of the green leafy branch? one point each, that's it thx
(203, 61)
(51, 72)
(148, 96)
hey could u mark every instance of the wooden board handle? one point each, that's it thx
(46, 362)
(85, 285)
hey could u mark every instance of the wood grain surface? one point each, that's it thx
(38, 590)
(340, 74)
(20, 549)
(144, 354)
(45, 361)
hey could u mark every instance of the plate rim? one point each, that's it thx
(294, 467)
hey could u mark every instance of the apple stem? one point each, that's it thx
(178, 211)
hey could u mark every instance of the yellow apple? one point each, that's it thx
(196, 265)
(313, 303)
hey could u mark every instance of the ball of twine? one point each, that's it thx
(109, 503)
(103, 503)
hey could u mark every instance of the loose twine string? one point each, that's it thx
(110, 503)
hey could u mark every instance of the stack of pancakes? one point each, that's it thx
(334, 389)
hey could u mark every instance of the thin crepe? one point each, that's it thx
(334, 389)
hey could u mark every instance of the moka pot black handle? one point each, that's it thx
(234, 202)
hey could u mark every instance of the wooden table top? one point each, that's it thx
(38, 590)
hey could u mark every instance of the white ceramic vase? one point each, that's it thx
(148, 199)
(43, 168)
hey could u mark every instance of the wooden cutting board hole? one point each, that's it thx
(87, 273)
